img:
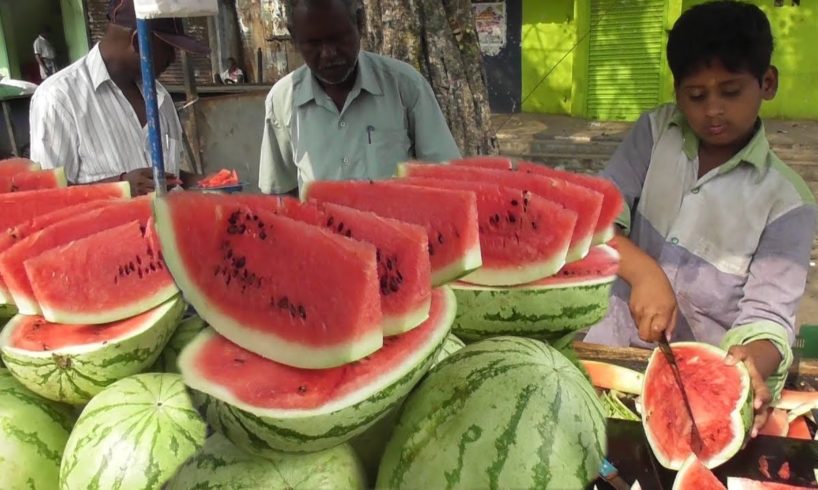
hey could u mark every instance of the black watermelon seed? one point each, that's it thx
(330, 221)
(431, 249)
(239, 262)
(302, 312)
(138, 260)
(284, 303)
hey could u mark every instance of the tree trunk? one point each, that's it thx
(438, 38)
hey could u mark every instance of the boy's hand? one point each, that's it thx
(653, 304)
(761, 358)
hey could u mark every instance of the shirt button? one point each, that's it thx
(695, 190)
(674, 240)
(343, 124)
(346, 161)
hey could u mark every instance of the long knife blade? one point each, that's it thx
(696, 438)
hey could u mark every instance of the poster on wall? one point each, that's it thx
(490, 19)
(272, 11)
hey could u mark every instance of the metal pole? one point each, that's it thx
(151, 106)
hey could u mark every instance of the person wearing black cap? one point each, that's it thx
(90, 117)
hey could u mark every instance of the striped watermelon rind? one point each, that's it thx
(506, 412)
(451, 344)
(33, 433)
(75, 374)
(254, 429)
(219, 464)
(185, 332)
(133, 435)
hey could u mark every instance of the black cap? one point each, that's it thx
(121, 13)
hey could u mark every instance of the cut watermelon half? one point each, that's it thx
(586, 203)
(735, 483)
(612, 201)
(497, 163)
(693, 475)
(404, 270)
(12, 268)
(19, 207)
(102, 278)
(286, 290)
(72, 363)
(259, 404)
(720, 398)
(12, 166)
(31, 181)
(523, 237)
(613, 377)
(450, 218)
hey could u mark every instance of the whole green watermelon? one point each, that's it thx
(132, 436)
(185, 332)
(502, 413)
(33, 433)
(221, 465)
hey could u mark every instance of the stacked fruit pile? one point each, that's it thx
(317, 325)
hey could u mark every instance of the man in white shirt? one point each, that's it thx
(45, 54)
(90, 117)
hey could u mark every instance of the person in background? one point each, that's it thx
(90, 117)
(346, 114)
(45, 54)
(716, 237)
(233, 74)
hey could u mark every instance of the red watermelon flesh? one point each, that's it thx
(265, 384)
(19, 207)
(31, 181)
(449, 216)
(612, 201)
(288, 291)
(404, 270)
(497, 163)
(105, 277)
(720, 398)
(586, 203)
(777, 424)
(693, 475)
(12, 268)
(35, 333)
(734, 483)
(12, 166)
(523, 237)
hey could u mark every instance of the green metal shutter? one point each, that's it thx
(625, 57)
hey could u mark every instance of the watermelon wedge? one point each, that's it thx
(285, 290)
(31, 181)
(12, 166)
(450, 218)
(586, 203)
(16, 233)
(404, 270)
(102, 278)
(523, 237)
(612, 201)
(72, 363)
(19, 207)
(12, 268)
(693, 475)
(736, 483)
(493, 162)
(260, 404)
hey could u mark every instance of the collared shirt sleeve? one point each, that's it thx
(433, 140)
(628, 166)
(774, 287)
(53, 134)
(277, 172)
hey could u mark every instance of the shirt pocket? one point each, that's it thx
(385, 148)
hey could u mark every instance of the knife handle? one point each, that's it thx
(608, 470)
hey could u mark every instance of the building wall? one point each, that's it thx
(76, 33)
(22, 21)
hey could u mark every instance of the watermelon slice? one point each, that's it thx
(693, 475)
(102, 278)
(19, 207)
(523, 237)
(450, 218)
(614, 377)
(72, 363)
(720, 398)
(612, 201)
(586, 203)
(260, 404)
(496, 163)
(30, 181)
(12, 166)
(12, 268)
(735, 483)
(404, 270)
(16, 233)
(288, 291)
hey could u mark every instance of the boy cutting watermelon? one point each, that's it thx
(716, 239)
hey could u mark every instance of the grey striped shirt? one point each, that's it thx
(80, 120)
